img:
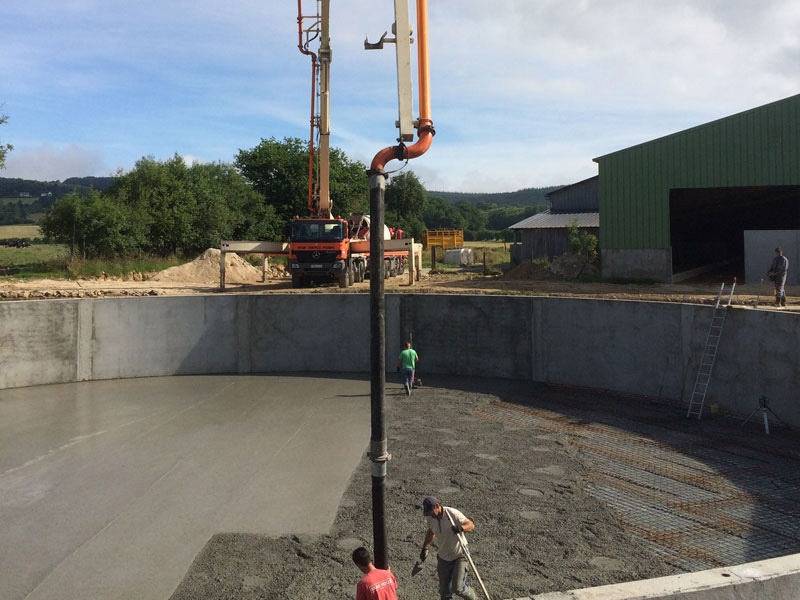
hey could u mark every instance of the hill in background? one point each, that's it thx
(526, 197)
(24, 200)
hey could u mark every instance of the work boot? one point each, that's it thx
(783, 300)
(777, 301)
(408, 392)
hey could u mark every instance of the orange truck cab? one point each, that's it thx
(320, 250)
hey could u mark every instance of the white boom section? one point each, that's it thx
(402, 34)
(275, 248)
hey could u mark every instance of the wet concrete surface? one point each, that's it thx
(109, 489)
(537, 526)
(257, 487)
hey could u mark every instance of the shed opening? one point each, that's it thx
(707, 224)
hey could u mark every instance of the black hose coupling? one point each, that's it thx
(428, 127)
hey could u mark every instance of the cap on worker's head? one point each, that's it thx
(778, 249)
(428, 504)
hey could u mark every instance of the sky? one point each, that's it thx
(525, 93)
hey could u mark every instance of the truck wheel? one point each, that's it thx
(342, 279)
(360, 273)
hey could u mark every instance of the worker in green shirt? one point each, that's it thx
(407, 363)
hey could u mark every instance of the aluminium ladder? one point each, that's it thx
(709, 355)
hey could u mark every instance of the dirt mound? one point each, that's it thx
(530, 270)
(205, 269)
(560, 268)
(571, 267)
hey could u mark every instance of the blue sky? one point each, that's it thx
(524, 93)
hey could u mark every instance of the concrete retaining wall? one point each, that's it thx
(771, 579)
(645, 348)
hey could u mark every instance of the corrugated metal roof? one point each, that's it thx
(548, 220)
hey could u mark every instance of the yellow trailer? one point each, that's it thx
(443, 238)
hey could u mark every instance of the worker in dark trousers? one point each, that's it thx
(407, 363)
(451, 562)
(778, 270)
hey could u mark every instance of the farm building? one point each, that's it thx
(546, 234)
(681, 204)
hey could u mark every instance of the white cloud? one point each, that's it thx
(524, 93)
(190, 160)
(49, 163)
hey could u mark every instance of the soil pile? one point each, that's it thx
(205, 269)
(530, 270)
(571, 267)
(566, 267)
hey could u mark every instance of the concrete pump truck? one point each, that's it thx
(323, 247)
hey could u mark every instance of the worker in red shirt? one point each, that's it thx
(377, 584)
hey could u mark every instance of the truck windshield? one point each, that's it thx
(317, 231)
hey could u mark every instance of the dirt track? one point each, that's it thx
(455, 283)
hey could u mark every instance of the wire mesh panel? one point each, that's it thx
(698, 496)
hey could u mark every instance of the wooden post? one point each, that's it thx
(222, 270)
(419, 262)
(433, 257)
(411, 263)
(264, 267)
(484, 263)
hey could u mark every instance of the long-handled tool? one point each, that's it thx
(463, 542)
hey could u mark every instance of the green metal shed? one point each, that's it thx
(662, 202)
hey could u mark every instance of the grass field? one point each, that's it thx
(39, 260)
(494, 245)
(15, 200)
(52, 261)
(497, 253)
(19, 231)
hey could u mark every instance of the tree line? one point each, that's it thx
(168, 207)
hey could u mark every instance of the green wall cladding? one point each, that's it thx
(754, 148)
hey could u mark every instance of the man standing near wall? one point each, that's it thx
(778, 270)
(407, 363)
(444, 525)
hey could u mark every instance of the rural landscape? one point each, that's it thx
(384, 300)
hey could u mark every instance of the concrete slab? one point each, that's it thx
(109, 489)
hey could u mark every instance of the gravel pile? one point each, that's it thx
(537, 528)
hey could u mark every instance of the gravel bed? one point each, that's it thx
(537, 527)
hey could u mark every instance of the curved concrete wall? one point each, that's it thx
(643, 348)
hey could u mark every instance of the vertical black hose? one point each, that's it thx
(378, 453)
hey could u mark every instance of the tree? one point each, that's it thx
(349, 184)
(475, 218)
(405, 195)
(162, 208)
(406, 200)
(582, 242)
(439, 214)
(279, 171)
(90, 225)
(4, 149)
